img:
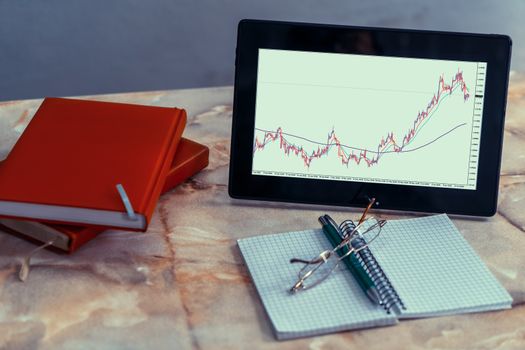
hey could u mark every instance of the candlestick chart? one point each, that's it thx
(418, 127)
(388, 143)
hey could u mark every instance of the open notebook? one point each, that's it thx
(430, 266)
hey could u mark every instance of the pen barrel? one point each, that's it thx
(361, 272)
(387, 293)
(351, 261)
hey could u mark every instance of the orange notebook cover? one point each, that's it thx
(67, 164)
(191, 157)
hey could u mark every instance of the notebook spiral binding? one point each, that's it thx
(387, 292)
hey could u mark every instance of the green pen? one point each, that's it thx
(351, 261)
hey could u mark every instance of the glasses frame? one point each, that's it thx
(324, 256)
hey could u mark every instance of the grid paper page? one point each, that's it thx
(434, 269)
(336, 304)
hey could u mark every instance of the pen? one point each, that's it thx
(353, 264)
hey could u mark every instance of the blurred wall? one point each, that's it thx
(78, 47)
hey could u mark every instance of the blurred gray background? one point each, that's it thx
(79, 47)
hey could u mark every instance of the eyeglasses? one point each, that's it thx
(318, 269)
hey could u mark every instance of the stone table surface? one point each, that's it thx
(183, 283)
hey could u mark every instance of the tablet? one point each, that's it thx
(337, 115)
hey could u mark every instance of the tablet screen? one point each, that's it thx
(375, 119)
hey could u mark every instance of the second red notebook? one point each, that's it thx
(191, 157)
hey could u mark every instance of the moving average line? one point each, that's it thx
(364, 149)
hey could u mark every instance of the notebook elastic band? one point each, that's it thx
(127, 204)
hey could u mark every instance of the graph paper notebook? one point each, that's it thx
(432, 271)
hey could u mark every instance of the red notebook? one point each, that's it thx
(67, 164)
(191, 157)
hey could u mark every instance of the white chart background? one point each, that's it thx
(363, 98)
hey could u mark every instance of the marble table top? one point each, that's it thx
(183, 283)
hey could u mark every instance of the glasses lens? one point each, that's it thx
(312, 275)
(366, 232)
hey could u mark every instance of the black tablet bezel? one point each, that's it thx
(255, 34)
